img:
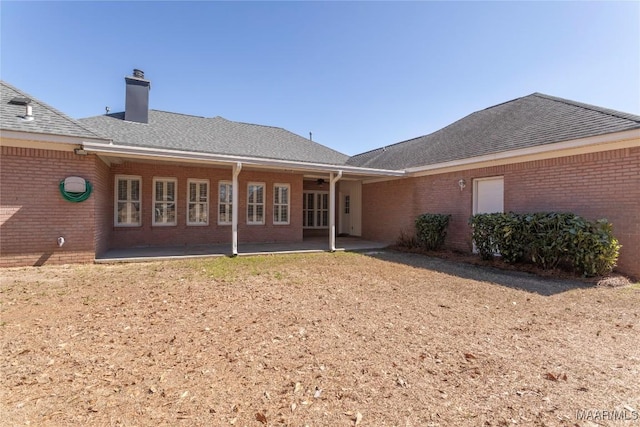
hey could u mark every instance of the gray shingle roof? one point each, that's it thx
(213, 136)
(530, 121)
(46, 119)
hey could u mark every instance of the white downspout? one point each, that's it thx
(234, 208)
(332, 209)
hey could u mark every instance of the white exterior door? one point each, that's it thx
(488, 195)
(350, 208)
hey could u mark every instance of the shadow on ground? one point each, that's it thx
(511, 279)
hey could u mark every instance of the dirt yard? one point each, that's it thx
(384, 339)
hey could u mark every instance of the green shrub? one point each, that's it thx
(548, 239)
(484, 231)
(431, 230)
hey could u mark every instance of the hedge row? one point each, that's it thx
(548, 239)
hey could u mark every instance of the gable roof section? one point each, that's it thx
(46, 119)
(530, 121)
(172, 131)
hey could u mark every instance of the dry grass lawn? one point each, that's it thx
(340, 339)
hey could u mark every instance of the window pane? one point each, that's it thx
(170, 213)
(223, 192)
(259, 213)
(159, 191)
(192, 191)
(193, 213)
(203, 192)
(285, 195)
(122, 212)
(171, 190)
(204, 212)
(135, 213)
(135, 189)
(122, 189)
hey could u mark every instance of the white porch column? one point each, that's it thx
(332, 209)
(234, 208)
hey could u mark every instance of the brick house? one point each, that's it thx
(167, 179)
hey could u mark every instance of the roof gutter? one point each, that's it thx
(232, 160)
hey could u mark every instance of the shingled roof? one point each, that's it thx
(215, 135)
(46, 119)
(530, 121)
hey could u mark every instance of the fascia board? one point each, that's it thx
(613, 141)
(224, 159)
(49, 138)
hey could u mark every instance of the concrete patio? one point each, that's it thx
(314, 244)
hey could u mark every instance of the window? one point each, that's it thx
(164, 201)
(127, 204)
(255, 203)
(315, 209)
(198, 203)
(225, 202)
(347, 204)
(281, 204)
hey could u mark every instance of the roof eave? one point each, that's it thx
(224, 159)
(46, 137)
(606, 142)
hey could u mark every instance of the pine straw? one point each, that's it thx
(322, 340)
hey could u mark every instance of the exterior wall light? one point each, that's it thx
(462, 183)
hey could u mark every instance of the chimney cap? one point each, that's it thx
(138, 73)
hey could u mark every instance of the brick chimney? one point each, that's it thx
(137, 98)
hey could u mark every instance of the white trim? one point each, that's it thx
(255, 204)
(128, 178)
(608, 142)
(227, 159)
(288, 204)
(332, 209)
(47, 138)
(198, 181)
(166, 180)
(230, 204)
(235, 173)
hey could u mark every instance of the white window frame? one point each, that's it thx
(197, 203)
(228, 202)
(164, 204)
(252, 221)
(129, 201)
(317, 211)
(278, 205)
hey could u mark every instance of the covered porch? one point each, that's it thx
(309, 245)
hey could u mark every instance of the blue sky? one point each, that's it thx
(359, 75)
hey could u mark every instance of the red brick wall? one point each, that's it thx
(33, 213)
(599, 185)
(103, 202)
(183, 234)
(388, 208)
